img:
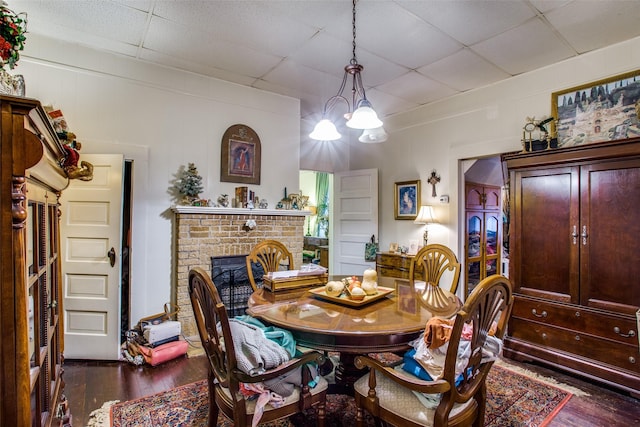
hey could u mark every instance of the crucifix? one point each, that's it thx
(433, 180)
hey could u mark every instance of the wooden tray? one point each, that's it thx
(345, 300)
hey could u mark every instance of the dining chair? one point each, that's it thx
(389, 394)
(432, 265)
(270, 255)
(225, 377)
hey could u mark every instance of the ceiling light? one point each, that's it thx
(325, 130)
(373, 136)
(363, 115)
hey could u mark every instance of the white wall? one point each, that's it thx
(162, 119)
(474, 124)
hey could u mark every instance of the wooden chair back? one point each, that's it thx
(224, 376)
(430, 264)
(463, 389)
(272, 255)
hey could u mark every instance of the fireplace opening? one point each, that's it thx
(229, 274)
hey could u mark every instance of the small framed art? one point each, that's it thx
(406, 199)
(240, 155)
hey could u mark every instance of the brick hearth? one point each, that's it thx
(203, 232)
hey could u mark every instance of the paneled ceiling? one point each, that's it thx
(413, 51)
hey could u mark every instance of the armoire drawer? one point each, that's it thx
(581, 344)
(616, 327)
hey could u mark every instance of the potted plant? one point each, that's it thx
(190, 185)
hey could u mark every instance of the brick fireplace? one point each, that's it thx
(201, 233)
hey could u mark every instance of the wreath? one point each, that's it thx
(13, 27)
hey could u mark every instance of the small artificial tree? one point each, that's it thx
(190, 184)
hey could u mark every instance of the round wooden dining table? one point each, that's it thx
(386, 324)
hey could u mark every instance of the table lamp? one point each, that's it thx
(425, 216)
(314, 211)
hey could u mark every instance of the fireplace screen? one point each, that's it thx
(229, 274)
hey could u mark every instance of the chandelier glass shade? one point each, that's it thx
(325, 130)
(360, 114)
(372, 136)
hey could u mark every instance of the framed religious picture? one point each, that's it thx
(604, 110)
(406, 199)
(240, 155)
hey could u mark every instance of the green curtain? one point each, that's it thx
(322, 197)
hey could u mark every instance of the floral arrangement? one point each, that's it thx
(12, 35)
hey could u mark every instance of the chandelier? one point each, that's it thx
(363, 116)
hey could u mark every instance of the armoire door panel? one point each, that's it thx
(546, 205)
(609, 248)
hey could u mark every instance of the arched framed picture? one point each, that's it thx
(240, 155)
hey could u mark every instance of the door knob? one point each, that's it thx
(112, 256)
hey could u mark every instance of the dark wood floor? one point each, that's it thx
(90, 383)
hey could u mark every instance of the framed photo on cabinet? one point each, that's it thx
(406, 199)
(604, 110)
(240, 155)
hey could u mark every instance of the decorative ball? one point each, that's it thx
(334, 288)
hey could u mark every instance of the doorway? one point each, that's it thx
(316, 185)
(95, 240)
(484, 191)
(125, 250)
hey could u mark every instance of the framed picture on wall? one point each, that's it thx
(604, 110)
(240, 155)
(406, 199)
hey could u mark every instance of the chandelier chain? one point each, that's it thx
(353, 23)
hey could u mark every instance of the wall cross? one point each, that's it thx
(433, 180)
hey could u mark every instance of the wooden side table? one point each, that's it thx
(393, 264)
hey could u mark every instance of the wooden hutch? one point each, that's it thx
(31, 179)
(574, 245)
(483, 212)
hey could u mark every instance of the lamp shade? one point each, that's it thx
(325, 130)
(364, 117)
(425, 215)
(373, 136)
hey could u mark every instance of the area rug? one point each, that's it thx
(513, 399)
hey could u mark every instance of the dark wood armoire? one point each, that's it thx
(574, 245)
(31, 345)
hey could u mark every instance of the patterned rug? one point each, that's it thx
(513, 399)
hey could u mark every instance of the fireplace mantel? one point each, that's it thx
(185, 209)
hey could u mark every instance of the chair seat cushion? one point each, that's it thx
(294, 397)
(401, 401)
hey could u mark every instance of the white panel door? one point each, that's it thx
(355, 220)
(91, 230)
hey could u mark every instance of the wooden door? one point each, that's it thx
(91, 232)
(474, 196)
(544, 234)
(610, 236)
